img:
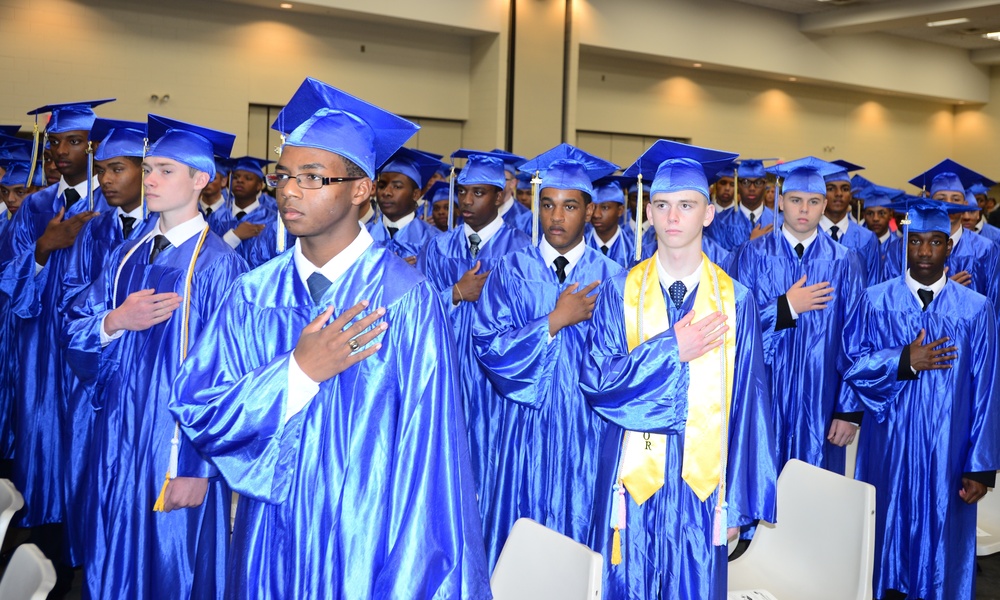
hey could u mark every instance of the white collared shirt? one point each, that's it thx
(955, 237)
(979, 226)
(135, 214)
(842, 225)
(400, 224)
(885, 236)
(81, 188)
(757, 213)
(549, 254)
(614, 238)
(506, 206)
(230, 237)
(218, 204)
(720, 208)
(486, 233)
(690, 280)
(915, 285)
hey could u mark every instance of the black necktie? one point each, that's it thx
(474, 241)
(208, 211)
(392, 231)
(127, 224)
(833, 233)
(240, 215)
(71, 196)
(160, 243)
(318, 284)
(560, 263)
(753, 219)
(800, 249)
(677, 290)
(925, 297)
(604, 249)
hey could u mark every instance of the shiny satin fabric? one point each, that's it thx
(445, 259)
(801, 361)
(94, 244)
(667, 546)
(548, 438)
(731, 228)
(409, 241)
(367, 492)
(260, 248)
(519, 218)
(40, 400)
(865, 243)
(622, 251)
(712, 249)
(9, 369)
(132, 552)
(973, 253)
(920, 436)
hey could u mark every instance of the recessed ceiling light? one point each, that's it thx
(285, 5)
(948, 22)
(696, 65)
(993, 35)
(792, 79)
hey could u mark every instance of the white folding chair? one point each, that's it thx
(537, 563)
(988, 524)
(823, 545)
(11, 501)
(29, 576)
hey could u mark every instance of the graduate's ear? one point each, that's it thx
(362, 191)
(709, 214)
(949, 245)
(417, 192)
(200, 179)
(589, 211)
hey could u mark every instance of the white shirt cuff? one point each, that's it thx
(301, 389)
(38, 268)
(231, 239)
(105, 338)
(795, 315)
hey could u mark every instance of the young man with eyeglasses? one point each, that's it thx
(325, 390)
(751, 219)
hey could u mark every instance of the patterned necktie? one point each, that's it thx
(160, 243)
(474, 241)
(318, 284)
(677, 290)
(753, 220)
(800, 249)
(833, 233)
(127, 224)
(392, 231)
(925, 297)
(560, 263)
(71, 196)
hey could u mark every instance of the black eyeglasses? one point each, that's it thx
(306, 181)
(756, 183)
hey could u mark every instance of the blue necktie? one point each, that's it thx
(677, 290)
(318, 284)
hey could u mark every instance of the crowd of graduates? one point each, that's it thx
(392, 355)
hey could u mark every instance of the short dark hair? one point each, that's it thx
(353, 170)
(135, 160)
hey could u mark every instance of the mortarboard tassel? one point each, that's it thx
(142, 183)
(451, 197)
(90, 174)
(736, 188)
(280, 243)
(776, 228)
(618, 522)
(536, 182)
(34, 155)
(638, 219)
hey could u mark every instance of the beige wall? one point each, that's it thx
(977, 133)
(761, 118)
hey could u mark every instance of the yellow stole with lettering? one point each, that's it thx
(710, 382)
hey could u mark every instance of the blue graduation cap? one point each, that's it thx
(949, 176)
(612, 188)
(481, 168)
(249, 164)
(70, 116)
(321, 116)
(804, 174)
(118, 138)
(566, 167)
(523, 181)
(17, 174)
(751, 168)
(876, 196)
(674, 166)
(726, 171)
(859, 184)
(843, 173)
(188, 144)
(222, 166)
(437, 192)
(9, 129)
(978, 188)
(512, 162)
(418, 166)
(926, 214)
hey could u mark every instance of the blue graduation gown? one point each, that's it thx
(519, 217)
(865, 243)
(40, 387)
(260, 248)
(622, 251)
(445, 259)
(731, 228)
(548, 441)
(973, 253)
(920, 436)
(94, 244)
(990, 232)
(8, 367)
(409, 241)
(667, 549)
(801, 359)
(367, 491)
(133, 552)
(712, 249)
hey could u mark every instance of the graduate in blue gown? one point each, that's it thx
(804, 284)
(974, 221)
(33, 257)
(458, 263)
(348, 448)
(117, 163)
(513, 212)
(654, 378)
(921, 351)
(974, 261)
(243, 221)
(750, 219)
(722, 184)
(399, 185)
(840, 226)
(607, 235)
(158, 512)
(529, 336)
(213, 197)
(877, 218)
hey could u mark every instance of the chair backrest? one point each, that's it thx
(11, 501)
(29, 576)
(538, 563)
(823, 545)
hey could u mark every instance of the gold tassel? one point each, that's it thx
(161, 501)
(616, 548)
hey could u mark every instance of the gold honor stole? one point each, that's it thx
(710, 382)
